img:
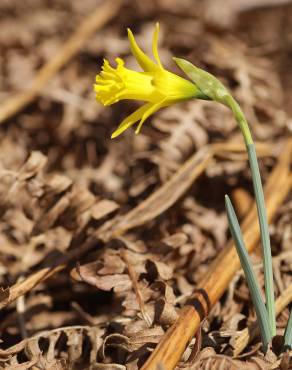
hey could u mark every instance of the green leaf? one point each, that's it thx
(265, 237)
(261, 312)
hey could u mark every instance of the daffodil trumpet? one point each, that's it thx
(155, 85)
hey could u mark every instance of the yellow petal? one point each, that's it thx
(145, 62)
(155, 45)
(154, 108)
(131, 119)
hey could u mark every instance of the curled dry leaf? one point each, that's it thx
(175, 240)
(208, 359)
(89, 274)
(158, 269)
(134, 342)
(45, 350)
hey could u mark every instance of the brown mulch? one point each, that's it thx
(103, 241)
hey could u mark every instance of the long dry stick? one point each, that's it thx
(98, 18)
(156, 204)
(169, 350)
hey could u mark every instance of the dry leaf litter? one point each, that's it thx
(64, 185)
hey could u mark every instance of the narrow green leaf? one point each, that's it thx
(265, 237)
(261, 312)
(288, 334)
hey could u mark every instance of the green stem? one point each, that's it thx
(240, 118)
(261, 209)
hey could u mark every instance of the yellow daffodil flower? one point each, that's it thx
(155, 85)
